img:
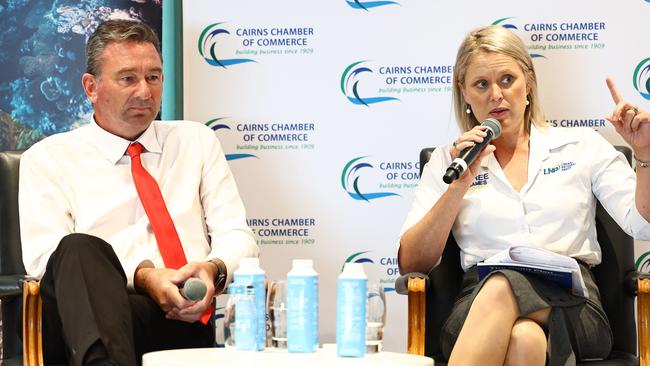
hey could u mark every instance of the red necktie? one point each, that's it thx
(152, 200)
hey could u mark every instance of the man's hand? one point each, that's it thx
(162, 285)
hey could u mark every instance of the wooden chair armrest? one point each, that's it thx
(643, 314)
(32, 310)
(416, 314)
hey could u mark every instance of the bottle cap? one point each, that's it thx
(354, 269)
(249, 262)
(303, 263)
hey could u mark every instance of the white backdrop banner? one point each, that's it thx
(323, 106)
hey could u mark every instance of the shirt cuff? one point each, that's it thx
(640, 227)
(130, 267)
(242, 246)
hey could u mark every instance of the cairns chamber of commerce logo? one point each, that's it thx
(350, 181)
(216, 125)
(350, 85)
(642, 78)
(209, 40)
(366, 5)
(551, 35)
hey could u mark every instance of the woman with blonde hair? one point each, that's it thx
(507, 197)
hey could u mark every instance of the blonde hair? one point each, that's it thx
(495, 39)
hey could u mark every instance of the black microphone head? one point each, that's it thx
(450, 175)
(493, 125)
(194, 289)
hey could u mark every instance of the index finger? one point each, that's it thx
(616, 96)
(184, 273)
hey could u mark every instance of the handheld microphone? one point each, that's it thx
(194, 289)
(468, 155)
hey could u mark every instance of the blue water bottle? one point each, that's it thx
(351, 311)
(250, 273)
(302, 307)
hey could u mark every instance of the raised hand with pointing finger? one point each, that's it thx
(632, 123)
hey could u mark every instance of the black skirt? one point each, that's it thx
(578, 328)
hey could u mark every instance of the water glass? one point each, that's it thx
(375, 317)
(229, 315)
(236, 292)
(277, 310)
(246, 320)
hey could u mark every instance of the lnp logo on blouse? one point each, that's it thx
(562, 167)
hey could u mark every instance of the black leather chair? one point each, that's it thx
(431, 296)
(20, 298)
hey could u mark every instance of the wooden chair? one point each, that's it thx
(13, 281)
(431, 297)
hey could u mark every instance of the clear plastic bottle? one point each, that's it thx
(351, 311)
(250, 273)
(246, 320)
(302, 307)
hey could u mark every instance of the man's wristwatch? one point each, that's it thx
(220, 278)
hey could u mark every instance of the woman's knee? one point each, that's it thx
(527, 344)
(497, 290)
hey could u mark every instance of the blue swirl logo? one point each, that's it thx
(208, 47)
(350, 85)
(357, 258)
(350, 181)
(642, 263)
(366, 5)
(503, 22)
(641, 78)
(215, 125)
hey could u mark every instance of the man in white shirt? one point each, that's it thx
(107, 296)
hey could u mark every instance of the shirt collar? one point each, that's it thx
(544, 140)
(114, 147)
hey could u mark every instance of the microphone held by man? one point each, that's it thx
(468, 155)
(194, 289)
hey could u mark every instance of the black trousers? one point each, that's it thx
(85, 300)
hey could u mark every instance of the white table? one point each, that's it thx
(272, 356)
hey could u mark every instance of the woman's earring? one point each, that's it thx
(527, 102)
(468, 110)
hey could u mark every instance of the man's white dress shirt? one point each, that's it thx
(568, 170)
(80, 182)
